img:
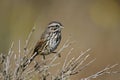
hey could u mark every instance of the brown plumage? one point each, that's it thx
(49, 40)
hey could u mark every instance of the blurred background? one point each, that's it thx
(92, 24)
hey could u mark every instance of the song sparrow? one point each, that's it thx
(49, 40)
(47, 44)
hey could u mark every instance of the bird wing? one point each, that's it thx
(39, 45)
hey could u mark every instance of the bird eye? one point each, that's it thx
(57, 25)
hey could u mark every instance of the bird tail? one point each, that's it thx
(27, 62)
(23, 66)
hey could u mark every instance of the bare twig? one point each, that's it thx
(28, 39)
(72, 67)
(100, 73)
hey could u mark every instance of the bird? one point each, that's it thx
(47, 44)
(49, 40)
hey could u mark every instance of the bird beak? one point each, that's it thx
(61, 27)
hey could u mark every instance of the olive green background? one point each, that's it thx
(92, 24)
